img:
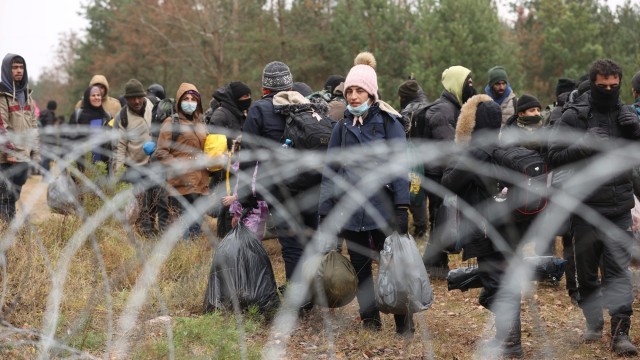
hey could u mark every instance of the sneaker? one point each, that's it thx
(622, 346)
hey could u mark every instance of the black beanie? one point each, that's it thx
(333, 81)
(488, 116)
(635, 82)
(527, 102)
(565, 85)
(52, 105)
(302, 88)
(239, 89)
(409, 89)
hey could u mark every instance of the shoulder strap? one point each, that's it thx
(515, 105)
(77, 113)
(124, 120)
(175, 127)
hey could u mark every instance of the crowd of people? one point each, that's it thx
(493, 133)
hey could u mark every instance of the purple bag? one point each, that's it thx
(256, 218)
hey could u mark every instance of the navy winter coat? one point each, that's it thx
(375, 129)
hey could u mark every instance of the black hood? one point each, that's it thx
(224, 97)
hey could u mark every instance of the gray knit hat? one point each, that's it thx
(277, 76)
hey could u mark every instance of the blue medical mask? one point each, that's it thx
(188, 107)
(359, 110)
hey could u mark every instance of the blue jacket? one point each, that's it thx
(374, 128)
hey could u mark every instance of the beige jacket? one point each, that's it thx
(132, 138)
(22, 127)
(109, 104)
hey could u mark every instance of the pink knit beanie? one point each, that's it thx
(363, 74)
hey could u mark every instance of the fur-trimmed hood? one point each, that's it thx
(286, 102)
(479, 112)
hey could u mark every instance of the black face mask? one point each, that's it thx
(467, 92)
(243, 104)
(604, 99)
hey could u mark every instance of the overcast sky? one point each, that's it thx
(32, 28)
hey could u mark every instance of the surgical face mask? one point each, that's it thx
(188, 107)
(359, 110)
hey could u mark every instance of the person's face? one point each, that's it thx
(95, 97)
(245, 97)
(17, 71)
(534, 111)
(135, 103)
(189, 97)
(607, 82)
(103, 89)
(499, 88)
(356, 96)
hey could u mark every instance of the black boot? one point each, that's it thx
(595, 323)
(371, 320)
(506, 343)
(620, 342)
(404, 326)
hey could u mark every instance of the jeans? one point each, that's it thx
(12, 178)
(593, 247)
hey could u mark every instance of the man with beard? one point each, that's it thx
(601, 117)
(439, 125)
(500, 91)
(17, 112)
(133, 124)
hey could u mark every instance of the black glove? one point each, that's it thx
(626, 117)
(402, 220)
(249, 202)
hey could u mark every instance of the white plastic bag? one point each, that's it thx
(403, 283)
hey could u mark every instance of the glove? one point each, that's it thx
(627, 118)
(149, 147)
(249, 202)
(402, 220)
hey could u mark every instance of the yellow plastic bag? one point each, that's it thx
(215, 147)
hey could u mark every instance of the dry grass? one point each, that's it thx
(452, 329)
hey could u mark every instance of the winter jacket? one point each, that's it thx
(440, 120)
(110, 105)
(615, 197)
(131, 139)
(20, 121)
(378, 125)
(187, 150)
(338, 104)
(474, 188)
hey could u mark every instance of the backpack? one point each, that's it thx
(415, 114)
(307, 130)
(529, 196)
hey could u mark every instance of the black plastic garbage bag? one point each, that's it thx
(62, 195)
(547, 268)
(464, 279)
(403, 283)
(242, 272)
(332, 278)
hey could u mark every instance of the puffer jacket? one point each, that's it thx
(441, 120)
(615, 197)
(474, 188)
(188, 148)
(375, 128)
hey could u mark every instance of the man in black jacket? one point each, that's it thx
(439, 125)
(601, 117)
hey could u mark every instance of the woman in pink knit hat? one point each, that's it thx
(367, 121)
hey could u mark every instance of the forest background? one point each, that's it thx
(212, 42)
